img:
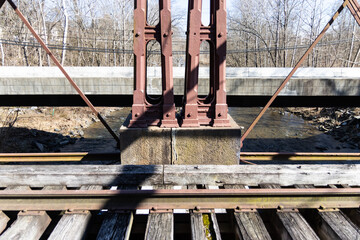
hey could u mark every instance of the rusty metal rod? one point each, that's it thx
(346, 2)
(58, 64)
(245, 156)
(13, 200)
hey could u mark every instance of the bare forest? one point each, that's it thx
(261, 33)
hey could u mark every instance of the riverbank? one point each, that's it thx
(44, 129)
(341, 123)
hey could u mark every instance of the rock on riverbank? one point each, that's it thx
(342, 123)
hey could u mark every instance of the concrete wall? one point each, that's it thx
(240, 81)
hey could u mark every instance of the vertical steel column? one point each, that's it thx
(221, 108)
(168, 108)
(211, 110)
(138, 108)
(163, 112)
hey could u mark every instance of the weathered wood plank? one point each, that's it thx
(73, 225)
(354, 215)
(3, 221)
(198, 231)
(294, 226)
(117, 225)
(255, 175)
(78, 175)
(250, 225)
(28, 226)
(215, 226)
(160, 225)
(334, 224)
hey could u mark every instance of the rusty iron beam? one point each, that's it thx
(58, 64)
(58, 157)
(283, 156)
(293, 71)
(160, 112)
(213, 109)
(12, 200)
(114, 156)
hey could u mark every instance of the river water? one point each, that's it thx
(277, 131)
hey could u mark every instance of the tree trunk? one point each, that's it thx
(66, 28)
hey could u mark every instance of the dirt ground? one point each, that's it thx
(44, 129)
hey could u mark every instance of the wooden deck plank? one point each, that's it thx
(117, 225)
(336, 225)
(3, 221)
(73, 225)
(354, 215)
(160, 225)
(28, 225)
(250, 225)
(333, 224)
(294, 225)
(198, 231)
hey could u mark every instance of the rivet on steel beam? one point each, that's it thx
(136, 114)
(137, 34)
(168, 115)
(166, 34)
(280, 207)
(219, 115)
(221, 34)
(189, 115)
(197, 208)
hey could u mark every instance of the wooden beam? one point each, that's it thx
(290, 223)
(113, 175)
(333, 224)
(254, 175)
(160, 225)
(117, 225)
(249, 223)
(79, 175)
(73, 225)
(28, 225)
(3, 221)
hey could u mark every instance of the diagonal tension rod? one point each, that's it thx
(58, 64)
(344, 5)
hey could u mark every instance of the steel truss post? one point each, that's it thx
(162, 112)
(213, 109)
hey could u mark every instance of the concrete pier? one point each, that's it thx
(180, 146)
